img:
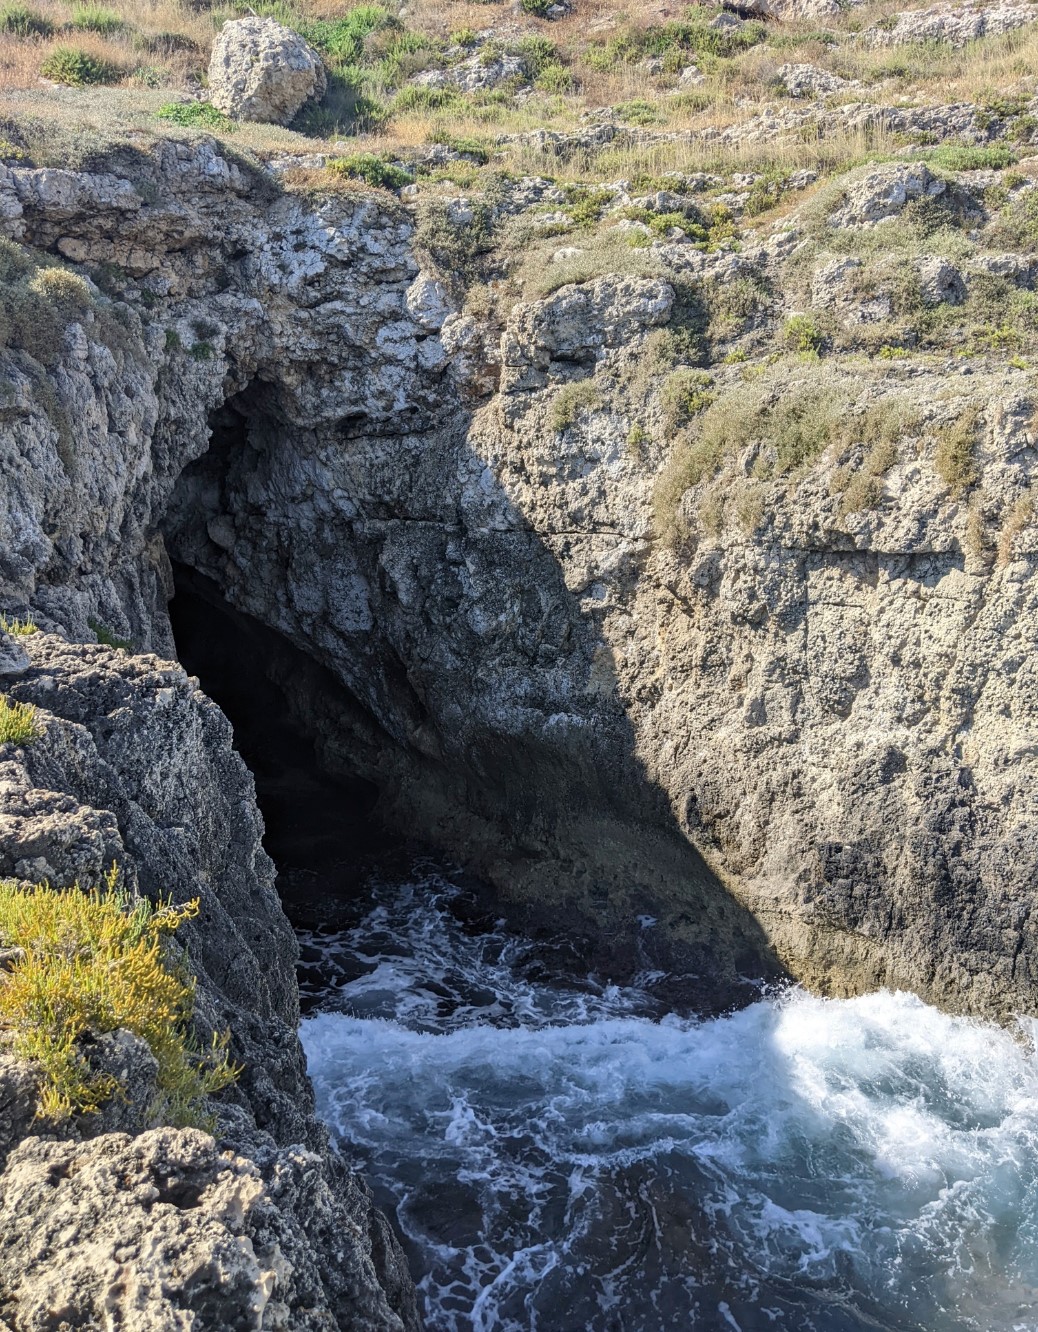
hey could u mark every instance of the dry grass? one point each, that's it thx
(165, 44)
(97, 962)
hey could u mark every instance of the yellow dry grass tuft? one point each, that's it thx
(18, 722)
(93, 962)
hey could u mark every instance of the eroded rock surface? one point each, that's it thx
(135, 767)
(260, 70)
(796, 731)
(165, 1230)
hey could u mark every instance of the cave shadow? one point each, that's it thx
(380, 728)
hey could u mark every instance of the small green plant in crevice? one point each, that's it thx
(37, 303)
(685, 393)
(20, 21)
(202, 351)
(802, 334)
(371, 169)
(955, 456)
(570, 401)
(18, 722)
(196, 115)
(707, 231)
(764, 194)
(637, 438)
(94, 962)
(106, 637)
(584, 203)
(18, 628)
(75, 68)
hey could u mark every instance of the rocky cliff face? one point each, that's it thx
(723, 668)
(777, 718)
(260, 1227)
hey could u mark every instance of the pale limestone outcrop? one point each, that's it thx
(165, 1230)
(261, 70)
(791, 735)
(810, 81)
(954, 24)
(879, 194)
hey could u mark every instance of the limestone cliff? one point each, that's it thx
(794, 727)
(261, 1227)
(696, 622)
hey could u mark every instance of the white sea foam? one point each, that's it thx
(558, 1162)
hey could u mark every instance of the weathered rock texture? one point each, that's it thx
(260, 70)
(166, 1231)
(135, 767)
(802, 733)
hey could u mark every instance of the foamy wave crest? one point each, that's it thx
(804, 1164)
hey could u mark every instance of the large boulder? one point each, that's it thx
(260, 70)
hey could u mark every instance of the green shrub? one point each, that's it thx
(639, 112)
(19, 628)
(20, 21)
(415, 97)
(37, 303)
(764, 194)
(18, 724)
(554, 79)
(971, 157)
(637, 436)
(802, 334)
(95, 962)
(95, 18)
(538, 8)
(196, 115)
(584, 203)
(342, 40)
(685, 393)
(954, 459)
(675, 42)
(372, 169)
(536, 52)
(105, 636)
(75, 68)
(66, 292)
(570, 401)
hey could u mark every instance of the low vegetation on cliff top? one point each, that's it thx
(79, 964)
(483, 75)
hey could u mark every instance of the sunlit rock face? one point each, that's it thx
(797, 735)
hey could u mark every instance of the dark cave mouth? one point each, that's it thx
(321, 830)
